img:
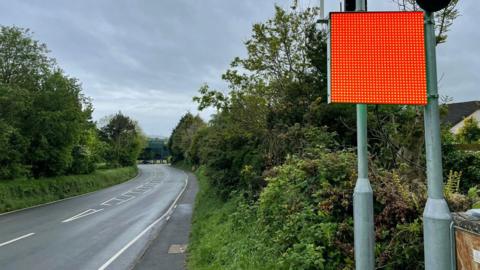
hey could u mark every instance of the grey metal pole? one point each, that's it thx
(363, 200)
(436, 216)
(322, 9)
(364, 236)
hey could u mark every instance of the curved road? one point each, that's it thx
(107, 229)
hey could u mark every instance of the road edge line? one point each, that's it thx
(169, 210)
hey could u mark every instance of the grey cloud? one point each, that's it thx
(148, 58)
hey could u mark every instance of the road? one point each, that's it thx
(107, 229)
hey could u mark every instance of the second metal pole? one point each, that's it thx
(363, 200)
(364, 235)
(436, 216)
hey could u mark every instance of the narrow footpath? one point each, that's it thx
(167, 250)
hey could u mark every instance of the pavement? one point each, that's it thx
(108, 229)
(167, 250)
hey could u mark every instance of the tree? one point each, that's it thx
(182, 136)
(23, 60)
(284, 74)
(443, 19)
(156, 148)
(125, 140)
(55, 124)
(12, 151)
(89, 151)
(42, 109)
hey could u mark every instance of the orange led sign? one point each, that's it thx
(377, 58)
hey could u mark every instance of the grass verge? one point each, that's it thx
(225, 234)
(22, 193)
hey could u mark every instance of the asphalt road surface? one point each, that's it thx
(107, 229)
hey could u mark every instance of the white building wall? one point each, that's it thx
(455, 129)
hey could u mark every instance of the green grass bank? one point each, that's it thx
(22, 193)
(225, 234)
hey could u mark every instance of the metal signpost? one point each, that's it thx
(364, 234)
(358, 46)
(436, 216)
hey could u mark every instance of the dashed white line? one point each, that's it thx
(129, 197)
(16, 239)
(107, 202)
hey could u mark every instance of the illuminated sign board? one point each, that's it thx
(377, 58)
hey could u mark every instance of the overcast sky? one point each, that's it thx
(148, 58)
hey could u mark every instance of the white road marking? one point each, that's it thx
(129, 197)
(134, 191)
(16, 239)
(138, 187)
(149, 185)
(116, 255)
(82, 214)
(106, 203)
(125, 197)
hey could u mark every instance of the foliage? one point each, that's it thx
(46, 126)
(452, 185)
(396, 136)
(443, 18)
(88, 151)
(303, 220)
(278, 168)
(465, 162)
(225, 235)
(43, 110)
(125, 140)
(183, 135)
(12, 151)
(156, 148)
(54, 124)
(21, 193)
(470, 132)
(473, 196)
(24, 61)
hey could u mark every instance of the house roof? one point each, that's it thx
(458, 111)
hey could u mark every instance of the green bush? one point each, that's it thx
(464, 161)
(303, 219)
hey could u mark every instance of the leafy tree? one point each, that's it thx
(125, 140)
(443, 19)
(182, 136)
(12, 151)
(285, 75)
(44, 108)
(23, 60)
(55, 124)
(45, 121)
(89, 151)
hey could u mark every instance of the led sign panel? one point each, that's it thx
(377, 58)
